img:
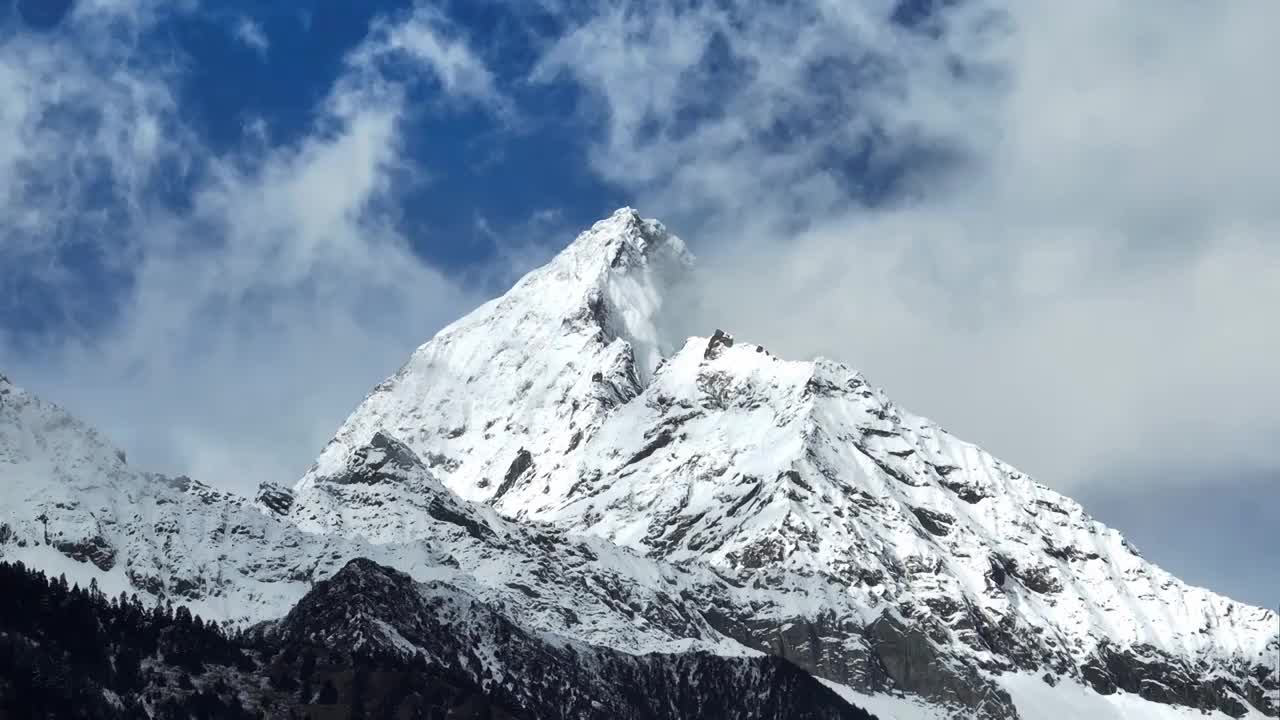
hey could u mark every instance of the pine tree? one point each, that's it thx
(328, 694)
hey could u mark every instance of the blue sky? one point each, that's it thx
(1050, 226)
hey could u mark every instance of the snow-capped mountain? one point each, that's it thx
(871, 546)
(561, 459)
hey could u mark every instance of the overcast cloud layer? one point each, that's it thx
(1051, 226)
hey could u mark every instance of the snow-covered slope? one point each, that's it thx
(529, 373)
(70, 504)
(865, 542)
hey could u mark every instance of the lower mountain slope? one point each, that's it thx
(368, 642)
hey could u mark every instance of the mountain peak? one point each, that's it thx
(552, 357)
(627, 240)
(620, 246)
(567, 402)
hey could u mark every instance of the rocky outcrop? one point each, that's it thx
(274, 499)
(378, 611)
(93, 549)
(1150, 673)
(522, 464)
(913, 661)
(719, 339)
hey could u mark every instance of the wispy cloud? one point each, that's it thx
(252, 35)
(249, 279)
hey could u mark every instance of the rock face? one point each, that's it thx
(558, 457)
(379, 611)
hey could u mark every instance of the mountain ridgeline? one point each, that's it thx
(560, 508)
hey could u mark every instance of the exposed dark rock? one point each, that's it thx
(522, 463)
(383, 460)
(877, 432)
(935, 522)
(794, 477)
(275, 498)
(888, 469)
(911, 661)
(146, 583)
(442, 511)
(663, 538)
(440, 460)
(822, 387)
(93, 549)
(1067, 552)
(573, 441)
(719, 339)
(1051, 507)
(998, 573)
(189, 588)
(1146, 671)
(1039, 579)
(662, 440)
(967, 493)
(752, 493)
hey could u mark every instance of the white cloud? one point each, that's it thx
(251, 317)
(1075, 268)
(427, 37)
(252, 35)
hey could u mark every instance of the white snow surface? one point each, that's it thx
(1037, 700)
(1071, 701)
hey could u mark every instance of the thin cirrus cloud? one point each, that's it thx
(255, 292)
(1049, 225)
(249, 32)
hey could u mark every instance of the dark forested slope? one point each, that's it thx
(369, 643)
